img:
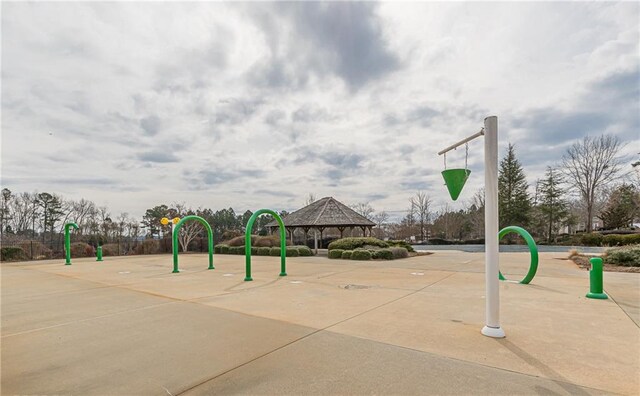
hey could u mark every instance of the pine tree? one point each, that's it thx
(623, 206)
(513, 197)
(552, 204)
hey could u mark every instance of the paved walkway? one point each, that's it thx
(129, 326)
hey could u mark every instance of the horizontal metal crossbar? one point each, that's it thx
(463, 141)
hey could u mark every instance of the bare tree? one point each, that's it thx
(421, 205)
(364, 209)
(311, 198)
(5, 213)
(190, 229)
(591, 164)
(475, 213)
(380, 219)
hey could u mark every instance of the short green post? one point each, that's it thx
(99, 253)
(595, 280)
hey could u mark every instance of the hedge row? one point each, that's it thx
(368, 254)
(367, 243)
(256, 240)
(12, 253)
(628, 256)
(595, 239)
(292, 251)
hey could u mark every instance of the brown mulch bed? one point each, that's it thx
(583, 262)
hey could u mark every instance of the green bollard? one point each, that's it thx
(99, 253)
(595, 280)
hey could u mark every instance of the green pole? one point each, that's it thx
(67, 242)
(595, 280)
(247, 243)
(99, 253)
(174, 244)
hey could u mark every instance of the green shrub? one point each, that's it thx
(399, 252)
(254, 251)
(274, 251)
(12, 253)
(292, 252)
(346, 255)
(403, 244)
(224, 249)
(591, 239)
(385, 254)
(356, 242)
(216, 248)
(361, 254)
(263, 251)
(239, 250)
(304, 250)
(335, 253)
(628, 256)
(631, 239)
(374, 253)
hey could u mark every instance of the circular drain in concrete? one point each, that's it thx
(351, 286)
(227, 275)
(417, 273)
(295, 282)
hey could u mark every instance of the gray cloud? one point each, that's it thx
(309, 113)
(340, 38)
(213, 176)
(231, 111)
(275, 193)
(150, 125)
(274, 117)
(158, 156)
(552, 126)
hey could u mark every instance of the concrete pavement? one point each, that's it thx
(129, 326)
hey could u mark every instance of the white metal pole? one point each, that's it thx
(492, 321)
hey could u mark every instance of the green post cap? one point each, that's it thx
(455, 180)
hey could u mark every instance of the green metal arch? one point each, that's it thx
(174, 246)
(247, 242)
(533, 249)
(67, 242)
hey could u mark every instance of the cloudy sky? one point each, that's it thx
(256, 105)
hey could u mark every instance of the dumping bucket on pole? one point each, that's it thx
(455, 179)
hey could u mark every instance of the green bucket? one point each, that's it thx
(455, 179)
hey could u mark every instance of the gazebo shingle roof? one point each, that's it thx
(325, 212)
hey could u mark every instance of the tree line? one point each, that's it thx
(589, 181)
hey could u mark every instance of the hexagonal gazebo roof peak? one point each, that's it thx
(324, 213)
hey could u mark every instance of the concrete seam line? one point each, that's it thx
(623, 310)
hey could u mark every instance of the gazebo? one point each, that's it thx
(322, 214)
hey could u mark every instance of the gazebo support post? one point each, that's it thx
(315, 240)
(341, 229)
(321, 231)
